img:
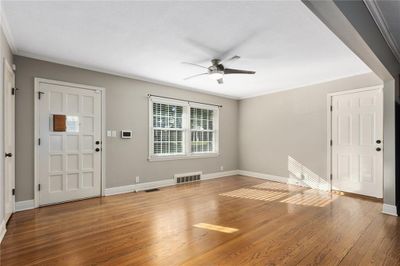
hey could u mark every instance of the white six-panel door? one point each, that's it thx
(357, 142)
(69, 163)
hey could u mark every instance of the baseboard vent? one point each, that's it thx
(188, 177)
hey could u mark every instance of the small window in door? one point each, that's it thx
(72, 124)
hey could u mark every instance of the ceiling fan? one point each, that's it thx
(217, 70)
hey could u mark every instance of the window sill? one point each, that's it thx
(182, 157)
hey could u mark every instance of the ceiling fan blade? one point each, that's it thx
(233, 58)
(197, 75)
(220, 81)
(237, 71)
(187, 63)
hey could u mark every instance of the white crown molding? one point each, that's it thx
(119, 74)
(376, 13)
(303, 85)
(7, 31)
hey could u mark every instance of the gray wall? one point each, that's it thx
(354, 25)
(5, 52)
(290, 123)
(358, 15)
(126, 108)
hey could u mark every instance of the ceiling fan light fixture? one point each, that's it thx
(216, 75)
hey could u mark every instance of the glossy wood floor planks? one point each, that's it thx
(239, 221)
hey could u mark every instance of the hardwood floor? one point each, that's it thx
(276, 224)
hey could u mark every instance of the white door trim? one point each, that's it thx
(38, 81)
(7, 67)
(329, 125)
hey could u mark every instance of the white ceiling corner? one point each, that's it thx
(283, 41)
(6, 29)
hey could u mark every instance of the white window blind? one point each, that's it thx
(202, 130)
(179, 129)
(168, 129)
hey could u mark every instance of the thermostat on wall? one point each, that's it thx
(126, 134)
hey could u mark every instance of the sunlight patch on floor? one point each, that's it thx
(310, 199)
(213, 227)
(278, 186)
(256, 194)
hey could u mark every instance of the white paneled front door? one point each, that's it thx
(69, 165)
(357, 142)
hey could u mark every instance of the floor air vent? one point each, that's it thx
(187, 178)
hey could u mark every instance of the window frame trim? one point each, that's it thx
(188, 154)
(215, 109)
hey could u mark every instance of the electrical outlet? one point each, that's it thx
(221, 168)
(137, 179)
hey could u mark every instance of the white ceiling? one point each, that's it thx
(283, 41)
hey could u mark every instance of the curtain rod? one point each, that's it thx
(171, 98)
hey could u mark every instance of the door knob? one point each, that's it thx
(97, 142)
(8, 154)
(378, 149)
(378, 141)
(97, 149)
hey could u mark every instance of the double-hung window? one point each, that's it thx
(180, 129)
(202, 130)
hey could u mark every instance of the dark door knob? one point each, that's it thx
(9, 154)
(378, 141)
(97, 142)
(378, 149)
(97, 149)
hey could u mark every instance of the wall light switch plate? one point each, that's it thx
(114, 133)
(108, 133)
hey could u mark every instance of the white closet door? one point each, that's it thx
(70, 161)
(357, 147)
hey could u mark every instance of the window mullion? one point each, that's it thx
(188, 138)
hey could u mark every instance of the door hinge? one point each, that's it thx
(331, 177)
(39, 141)
(331, 108)
(13, 91)
(13, 191)
(40, 94)
(39, 187)
(331, 142)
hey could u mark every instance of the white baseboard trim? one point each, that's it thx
(264, 176)
(3, 230)
(24, 205)
(155, 184)
(389, 209)
(119, 190)
(160, 184)
(287, 180)
(219, 174)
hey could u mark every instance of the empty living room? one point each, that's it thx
(199, 132)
